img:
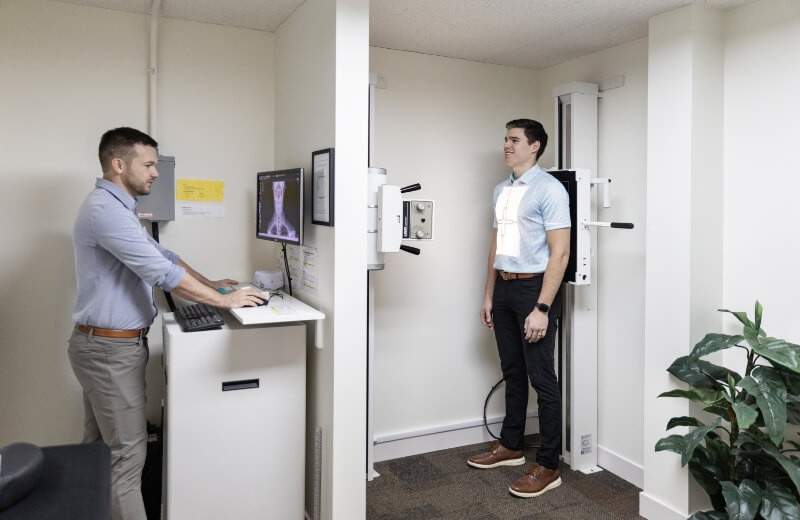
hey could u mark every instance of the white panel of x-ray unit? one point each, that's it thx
(576, 149)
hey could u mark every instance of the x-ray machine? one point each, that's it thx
(392, 220)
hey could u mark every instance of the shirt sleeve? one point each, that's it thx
(555, 207)
(169, 255)
(121, 234)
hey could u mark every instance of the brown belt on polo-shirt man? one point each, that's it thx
(112, 333)
(517, 276)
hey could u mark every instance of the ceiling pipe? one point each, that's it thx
(155, 11)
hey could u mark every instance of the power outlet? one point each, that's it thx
(418, 220)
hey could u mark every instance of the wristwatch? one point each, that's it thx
(543, 307)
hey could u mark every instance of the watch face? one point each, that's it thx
(543, 307)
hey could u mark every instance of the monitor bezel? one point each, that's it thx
(280, 173)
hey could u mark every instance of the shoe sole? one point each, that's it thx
(510, 462)
(554, 484)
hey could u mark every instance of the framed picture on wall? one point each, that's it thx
(322, 187)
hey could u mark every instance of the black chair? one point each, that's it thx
(71, 482)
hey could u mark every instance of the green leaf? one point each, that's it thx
(683, 421)
(793, 413)
(718, 451)
(741, 503)
(719, 411)
(694, 438)
(699, 395)
(778, 503)
(701, 373)
(673, 443)
(741, 316)
(712, 343)
(791, 379)
(709, 468)
(790, 465)
(745, 415)
(775, 349)
(766, 385)
(759, 312)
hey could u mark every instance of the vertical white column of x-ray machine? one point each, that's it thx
(575, 146)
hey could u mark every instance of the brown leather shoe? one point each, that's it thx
(536, 481)
(498, 455)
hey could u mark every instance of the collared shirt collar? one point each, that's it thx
(526, 177)
(120, 194)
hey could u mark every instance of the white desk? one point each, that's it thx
(281, 308)
(234, 421)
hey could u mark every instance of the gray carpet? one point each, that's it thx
(440, 485)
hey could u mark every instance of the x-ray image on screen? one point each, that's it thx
(280, 206)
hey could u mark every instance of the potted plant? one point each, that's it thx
(741, 458)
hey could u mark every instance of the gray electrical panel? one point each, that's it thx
(159, 205)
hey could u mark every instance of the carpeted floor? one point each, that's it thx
(441, 485)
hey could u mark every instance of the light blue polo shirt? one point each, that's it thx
(524, 210)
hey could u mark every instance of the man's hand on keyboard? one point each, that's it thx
(246, 297)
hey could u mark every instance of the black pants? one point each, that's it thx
(512, 302)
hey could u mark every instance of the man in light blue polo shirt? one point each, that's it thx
(527, 260)
(117, 264)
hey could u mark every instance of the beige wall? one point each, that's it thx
(70, 73)
(761, 110)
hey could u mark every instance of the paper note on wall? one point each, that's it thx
(302, 262)
(200, 190)
(200, 198)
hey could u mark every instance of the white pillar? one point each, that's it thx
(684, 230)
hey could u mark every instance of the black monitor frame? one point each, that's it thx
(293, 206)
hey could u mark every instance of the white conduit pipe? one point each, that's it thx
(155, 11)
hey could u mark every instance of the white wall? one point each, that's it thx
(621, 151)
(761, 110)
(321, 56)
(70, 73)
(440, 122)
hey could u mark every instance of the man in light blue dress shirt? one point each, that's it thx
(117, 265)
(527, 260)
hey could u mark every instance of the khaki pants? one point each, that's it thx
(111, 372)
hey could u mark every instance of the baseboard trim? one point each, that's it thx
(405, 444)
(653, 509)
(620, 466)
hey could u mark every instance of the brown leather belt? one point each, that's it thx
(111, 333)
(517, 276)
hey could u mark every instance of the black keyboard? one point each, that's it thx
(198, 316)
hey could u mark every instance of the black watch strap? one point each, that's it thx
(543, 307)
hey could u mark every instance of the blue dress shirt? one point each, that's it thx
(117, 263)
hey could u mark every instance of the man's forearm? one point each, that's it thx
(191, 288)
(491, 272)
(197, 276)
(553, 275)
(558, 242)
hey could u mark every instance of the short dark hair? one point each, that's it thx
(119, 142)
(534, 131)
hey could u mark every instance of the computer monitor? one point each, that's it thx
(279, 206)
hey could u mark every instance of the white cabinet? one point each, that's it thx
(234, 424)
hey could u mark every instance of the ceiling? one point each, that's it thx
(533, 34)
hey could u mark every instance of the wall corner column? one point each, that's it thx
(684, 230)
